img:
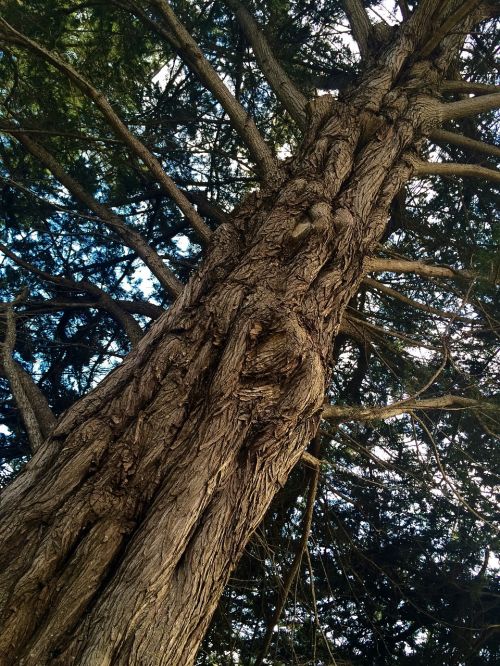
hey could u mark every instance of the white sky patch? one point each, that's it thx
(183, 243)
(388, 12)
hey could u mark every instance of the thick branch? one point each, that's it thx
(120, 129)
(442, 137)
(469, 88)
(285, 90)
(422, 168)
(469, 107)
(189, 51)
(360, 24)
(15, 382)
(380, 265)
(340, 414)
(43, 413)
(405, 10)
(130, 237)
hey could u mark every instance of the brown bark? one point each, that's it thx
(130, 518)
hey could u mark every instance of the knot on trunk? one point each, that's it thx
(277, 346)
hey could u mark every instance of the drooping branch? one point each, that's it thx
(422, 168)
(443, 137)
(469, 107)
(340, 414)
(129, 236)
(360, 25)
(284, 88)
(379, 286)
(120, 129)
(179, 38)
(45, 202)
(103, 299)
(370, 331)
(10, 369)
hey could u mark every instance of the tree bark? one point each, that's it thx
(128, 521)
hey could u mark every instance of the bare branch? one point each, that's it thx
(129, 236)
(443, 137)
(360, 24)
(375, 284)
(469, 87)
(469, 107)
(381, 265)
(13, 376)
(120, 129)
(284, 88)
(104, 301)
(180, 39)
(422, 168)
(43, 413)
(340, 414)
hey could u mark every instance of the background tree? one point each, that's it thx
(321, 178)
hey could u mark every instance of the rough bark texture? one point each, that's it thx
(120, 535)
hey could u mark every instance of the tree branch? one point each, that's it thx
(129, 236)
(285, 90)
(120, 129)
(379, 286)
(422, 168)
(382, 265)
(180, 39)
(339, 414)
(301, 546)
(104, 301)
(14, 378)
(442, 137)
(43, 413)
(360, 25)
(469, 87)
(469, 107)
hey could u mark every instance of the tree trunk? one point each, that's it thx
(118, 538)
